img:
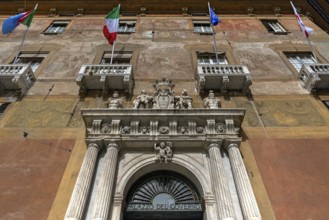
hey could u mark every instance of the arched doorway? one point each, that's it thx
(163, 195)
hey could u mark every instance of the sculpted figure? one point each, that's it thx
(211, 101)
(183, 101)
(115, 102)
(142, 101)
(164, 149)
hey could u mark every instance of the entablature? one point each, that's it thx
(138, 128)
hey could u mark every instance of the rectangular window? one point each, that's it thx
(126, 27)
(202, 27)
(210, 58)
(274, 26)
(122, 57)
(300, 58)
(57, 27)
(32, 58)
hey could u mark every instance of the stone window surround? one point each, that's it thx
(201, 21)
(302, 48)
(262, 20)
(101, 49)
(68, 21)
(226, 49)
(49, 50)
(33, 58)
(126, 21)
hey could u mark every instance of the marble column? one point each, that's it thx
(225, 207)
(105, 188)
(245, 193)
(82, 186)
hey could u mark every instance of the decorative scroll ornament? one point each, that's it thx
(200, 130)
(106, 128)
(182, 130)
(220, 128)
(164, 130)
(163, 151)
(144, 130)
(126, 130)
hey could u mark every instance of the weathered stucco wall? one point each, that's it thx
(279, 110)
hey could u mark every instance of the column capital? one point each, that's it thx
(217, 144)
(233, 145)
(93, 144)
(211, 145)
(113, 144)
(234, 142)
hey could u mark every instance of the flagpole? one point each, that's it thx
(20, 47)
(213, 35)
(309, 43)
(24, 36)
(112, 52)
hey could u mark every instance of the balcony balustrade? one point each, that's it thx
(105, 78)
(315, 76)
(16, 77)
(224, 78)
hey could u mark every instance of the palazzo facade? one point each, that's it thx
(190, 121)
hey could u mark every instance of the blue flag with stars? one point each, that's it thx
(213, 17)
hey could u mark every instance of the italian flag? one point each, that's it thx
(112, 23)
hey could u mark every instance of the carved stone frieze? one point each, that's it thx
(164, 130)
(126, 130)
(184, 128)
(144, 130)
(106, 128)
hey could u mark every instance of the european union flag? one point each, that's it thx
(213, 17)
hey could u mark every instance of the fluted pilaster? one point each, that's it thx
(105, 188)
(225, 208)
(82, 186)
(246, 195)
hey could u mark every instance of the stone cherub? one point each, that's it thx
(165, 152)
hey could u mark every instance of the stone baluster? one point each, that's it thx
(82, 186)
(246, 195)
(225, 207)
(103, 199)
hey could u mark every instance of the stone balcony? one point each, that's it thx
(105, 78)
(223, 78)
(16, 77)
(315, 76)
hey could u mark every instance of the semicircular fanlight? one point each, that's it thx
(174, 185)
